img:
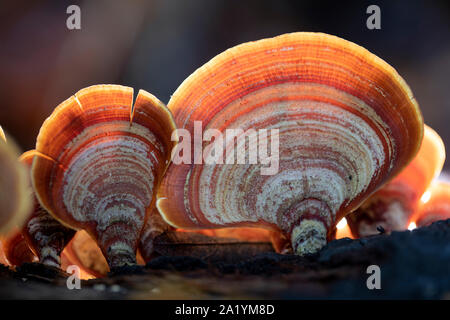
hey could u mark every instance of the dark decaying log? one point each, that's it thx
(207, 248)
(414, 264)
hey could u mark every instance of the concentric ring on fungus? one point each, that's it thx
(347, 124)
(101, 160)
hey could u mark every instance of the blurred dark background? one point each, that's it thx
(155, 45)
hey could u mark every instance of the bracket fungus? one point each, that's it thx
(393, 205)
(15, 189)
(347, 123)
(46, 236)
(100, 161)
(16, 250)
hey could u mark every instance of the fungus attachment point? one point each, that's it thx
(346, 123)
(100, 161)
(154, 226)
(308, 237)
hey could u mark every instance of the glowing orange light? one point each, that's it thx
(426, 197)
(412, 226)
(342, 224)
(2, 134)
(343, 230)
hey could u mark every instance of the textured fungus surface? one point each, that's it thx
(347, 123)
(101, 158)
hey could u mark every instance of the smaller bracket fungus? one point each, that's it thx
(100, 161)
(16, 250)
(45, 235)
(392, 206)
